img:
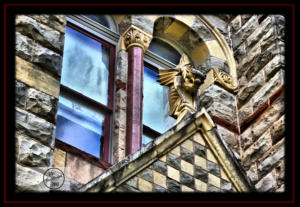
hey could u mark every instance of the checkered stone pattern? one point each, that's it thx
(189, 167)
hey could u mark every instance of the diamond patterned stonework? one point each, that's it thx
(188, 167)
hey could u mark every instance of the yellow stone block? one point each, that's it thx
(201, 162)
(215, 49)
(188, 144)
(159, 179)
(163, 158)
(176, 30)
(34, 77)
(200, 53)
(187, 19)
(210, 156)
(214, 180)
(173, 173)
(187, 167)
(201, 186)
(144, 185)
(223, 175)
(59, 159)
(198, 138)
(176, 151)
(186, 189)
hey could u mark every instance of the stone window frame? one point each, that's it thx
(104, 35)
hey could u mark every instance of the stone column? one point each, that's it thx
(136, 42)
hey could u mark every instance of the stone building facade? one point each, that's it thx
(242, 97)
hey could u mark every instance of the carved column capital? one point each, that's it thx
(136, 37)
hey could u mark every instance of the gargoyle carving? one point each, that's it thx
(183, 82)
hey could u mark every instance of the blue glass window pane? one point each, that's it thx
(164, 50)
(155, 103)
(145, 140)
(85, 66)
(79, 126)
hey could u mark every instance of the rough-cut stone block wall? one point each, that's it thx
(39, 49)
(258, 45)
(189, 167)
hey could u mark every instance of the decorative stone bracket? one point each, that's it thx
(217, 76)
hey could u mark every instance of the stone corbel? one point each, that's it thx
(217, 76)
(134, 36)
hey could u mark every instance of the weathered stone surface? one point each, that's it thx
(267, 183)
(250, 89)
(144, 185)
(274, 65)
(173, 161)
(244, 112)
(280, 25)
(34, 127)
(268, 118)
(267, 164)
(223, 111)
(32, 153)
(259, 32)
(219, 23)
(260, 59)
(215, 93)
(41, 33)
(35, 53)
(245, 18)
(80, 170)
(213, 168)
(33, 76)
(190, 40)
(41, 104)
(230, 137)
(268, 90)
(187, 155)
(201, 174)
(199, 27)
(240, 52)
(248, 62)
(122, 65)
(147, 175)
(280, 173)
(244, 32)
(278, 130)
(211, 188)
(20, 93)
(28, 179)
(126, 188)
(226, 186)
(187, 180)
(173, 186)
(132, 182)
(157, 188)
(160, 167)
(199, 150)
(235, 24)
(59, 159)
(138, 20)
(252, 173)
(214, 62)
(268, 39)
(57, 22)
(256, 150)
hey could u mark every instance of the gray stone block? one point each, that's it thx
(32, 153)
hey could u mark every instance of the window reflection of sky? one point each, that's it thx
(79, 126)
(85, 65)
(155, 103)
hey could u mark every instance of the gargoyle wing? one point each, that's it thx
(166, 77)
